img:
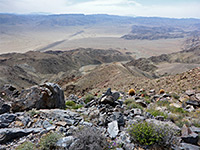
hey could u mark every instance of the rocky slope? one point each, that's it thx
(113, 114)
(31, 68)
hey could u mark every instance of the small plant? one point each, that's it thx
(70, 103)
(48, 142)
(156, 113)
(163, 103)
(89, 139)
(77, 106)
(149, 134)
(33, 112)
(162, 91)
(132, 104)
(88, 98)
(176, 110)
(131, 92)
(26, 146)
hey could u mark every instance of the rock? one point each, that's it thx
(193, 103)
(9, 134)
(119, 117)
(65, 142)
(113, 129)
(195, 129)
(129, 146)
(161, 118)
(198, 96)
(6, 119)
(61, 123)
(108, 92)
(141, 103)
(136, 111)
(107, 100)
(188, 135)
(45, 96)
(186, 146)
(189, 108)
(46, 124)
(164, 123)
(139, 118)
(116, 95)
(175, 105)
(4, 107)
(190, 92)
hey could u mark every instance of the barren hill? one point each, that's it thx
(25, 69)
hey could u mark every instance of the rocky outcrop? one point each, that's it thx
(44, 96)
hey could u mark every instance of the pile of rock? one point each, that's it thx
(34, 112)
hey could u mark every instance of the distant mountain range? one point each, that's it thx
(81, 19)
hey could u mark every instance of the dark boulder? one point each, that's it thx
(46, 96)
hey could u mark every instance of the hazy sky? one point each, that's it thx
(162, 8)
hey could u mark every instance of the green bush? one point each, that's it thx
(156, 113)
(26, 146)
(88, 98)
(77, 106)
(149, 134)
(70, 103)
(176, 110)
(48, 142)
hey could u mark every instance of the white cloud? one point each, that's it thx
(116, 7)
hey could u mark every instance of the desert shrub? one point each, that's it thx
(26, 146)
(162, 103)
(89, 139)
(88, 98)
(77, 106)
(162, 91)
(156, 113)
(176, 110)
(48, 142)
(131, 92)
(132, 104)
(70, 103)
(149, 134)
(33, 112)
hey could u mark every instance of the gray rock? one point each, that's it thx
(116, 95)
(6, 119)
(119, 117)
(195, 129)
(136, 111)
(193, 103)
(141, 103)
(46, 124)
(139, 118)
(186, 146)
(189, 136)
(45, 96)
(4, 107)
(107, 100)
(164, 123)
(9, 134)
(65, 142)
(113, 129)
(161, 118)
(198, 96)
(190, 92)
(129, 146)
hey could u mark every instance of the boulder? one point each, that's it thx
(113, 129)
(9, 134)
(188, 136)
(186, 146)
(119, 117)
(64, 143)
(44, 96)
(6, 119)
